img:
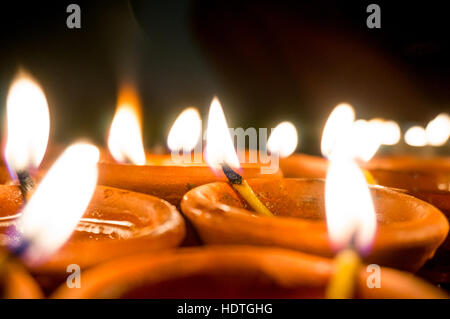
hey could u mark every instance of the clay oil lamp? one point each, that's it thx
(235, 272)
(409, 230)
(115, 222)
(158, 175)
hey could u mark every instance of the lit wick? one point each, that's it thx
(351, 222)
(26, 184)
(220, 153)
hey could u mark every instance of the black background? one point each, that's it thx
(268, 61)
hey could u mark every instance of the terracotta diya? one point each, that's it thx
(303, 165)
(233, 272)
(117, 222)
(409, 230)
(166, 182)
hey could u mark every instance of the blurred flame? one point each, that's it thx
(350, 214)
(186, 131)
(338, 124)
(438, 130)
(283, 140)
(28, 125)
(59, 201)
(416, 136)
(362, 141)
(219, 145)
(125, 137)
(389, 132)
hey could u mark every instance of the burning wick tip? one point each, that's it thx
(233, 177)
(26, 183)
(242, 187)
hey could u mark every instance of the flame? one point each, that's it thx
(283, 140)
(28, 125)
(219, 147)
(438, 130)
(338, 124)
(186, 131)
(125, 137)
(60, 200)
(363, 140)
(389, 132)
(350, 213)
(416, 136)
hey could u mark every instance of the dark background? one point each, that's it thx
(268, 61)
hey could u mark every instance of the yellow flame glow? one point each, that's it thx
(125, 136)
(59, 201)
(349, 208)
(186, 131)
(338, 124)
(438, 130)
(28, 124)
(416, 136)
(219, 144)
(283, 140)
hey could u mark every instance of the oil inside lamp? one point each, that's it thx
(283, 140)
(416, 136)
(186, 131)
(438, 130)
(57, 205)
(125, 135)
(28, 127)
(220, 154)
